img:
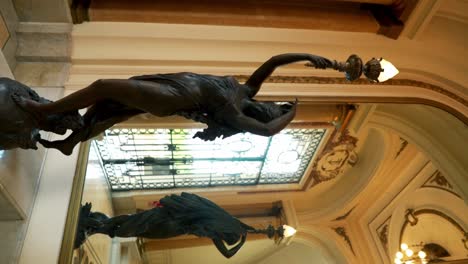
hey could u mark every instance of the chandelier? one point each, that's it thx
(407, 256)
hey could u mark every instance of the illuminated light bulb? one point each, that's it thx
(399, 255)
(397, 261)
(389, 71)
(409, 252)
(409, 262)
(404, 246)
(288, 231)
(422, 254)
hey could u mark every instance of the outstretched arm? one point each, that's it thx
(228, 252)
(259, 76)
(244, 123)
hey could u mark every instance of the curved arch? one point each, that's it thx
(429, 211)
(314, 238)
(439, 138)
(345, 188)
(425, 199)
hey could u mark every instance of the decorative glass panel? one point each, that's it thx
(137, 159)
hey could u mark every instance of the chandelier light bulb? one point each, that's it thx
(422, 254)
(404, 246)
(399, 255)
(409, 252)
(398, 261)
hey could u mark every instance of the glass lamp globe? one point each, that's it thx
(399, 255)
(379, 70)
(404, 246)
(389, 71)
(409, 252)
(422, 254)
(288, 231)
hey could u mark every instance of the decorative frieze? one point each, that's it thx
(335, 158)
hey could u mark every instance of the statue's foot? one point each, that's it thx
(60, 145)
(29, 106)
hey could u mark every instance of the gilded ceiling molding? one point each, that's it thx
(438, 181)
(362, 81)
(342, 232)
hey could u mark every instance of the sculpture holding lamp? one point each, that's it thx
(176, 215)
(223, 104)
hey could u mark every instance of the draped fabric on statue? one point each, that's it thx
(180, 214)
(208, 111)
(205, 217)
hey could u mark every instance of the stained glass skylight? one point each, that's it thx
(138, 159)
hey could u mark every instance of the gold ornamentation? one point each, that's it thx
(382, 233)
(343, 217)
(383, 236)
(438, 181)
(403, 145)
(342, 232)
(335, 158)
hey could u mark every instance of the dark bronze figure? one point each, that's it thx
(18, 129)
(226, 106)
(177, 215)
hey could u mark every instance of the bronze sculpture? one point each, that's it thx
(177, 215)
(17, 128)
(226, 106)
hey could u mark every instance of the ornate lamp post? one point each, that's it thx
(376, 70)
(283, 231)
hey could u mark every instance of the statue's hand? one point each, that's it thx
(292, 111)
(319, 62)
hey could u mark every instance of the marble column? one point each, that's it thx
(115, 251)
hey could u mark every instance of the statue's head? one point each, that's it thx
(266, 111)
